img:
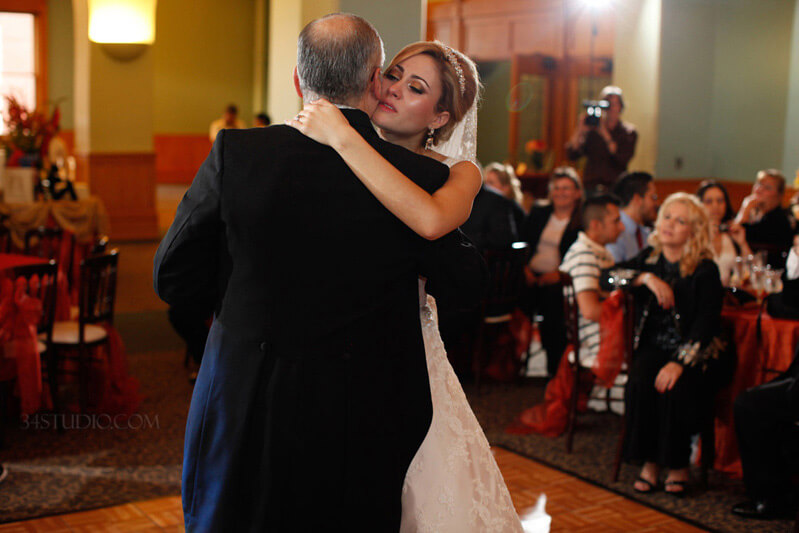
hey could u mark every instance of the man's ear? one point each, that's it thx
(377, 80)
(297, 83)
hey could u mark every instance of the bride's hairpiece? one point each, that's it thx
(453, 60)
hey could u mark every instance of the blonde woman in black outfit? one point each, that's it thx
(678, 298)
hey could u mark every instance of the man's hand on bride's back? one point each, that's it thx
(323, 122)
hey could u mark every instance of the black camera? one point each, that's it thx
(593, 111)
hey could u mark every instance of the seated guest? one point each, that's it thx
(639, 208)
(678, 298)
(765, 221)
(503, 179)
(262, 120)
(550, 229)
(229, 120)
(727, 241)
(766, 419)
(785, 304)
(495, 220)
(584, 262)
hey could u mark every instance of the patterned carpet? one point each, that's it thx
(82, 469)
(51, 473)
(592, 459)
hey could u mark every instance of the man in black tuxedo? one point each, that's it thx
(495, 221)
(766, 419)
(313, 394)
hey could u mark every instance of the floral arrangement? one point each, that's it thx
(28, 133)
(540, 157)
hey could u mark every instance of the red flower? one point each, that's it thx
(535, 145)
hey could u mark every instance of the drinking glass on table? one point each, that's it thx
(772, 282)
(757, 280)
(741, 272)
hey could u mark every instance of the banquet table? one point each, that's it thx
(759, 358)
(113, 389)
(85, 218)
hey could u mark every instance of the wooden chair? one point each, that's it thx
(506, 279)
(96, 296)
(5, 239)
(628, 332)
(99, 246)
(47, 273)
(46, 242)
(571, 318)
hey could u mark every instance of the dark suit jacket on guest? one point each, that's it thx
(773, 230)
(495, 221)
(537, 220)
(313, 394)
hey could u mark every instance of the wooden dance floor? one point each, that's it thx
(573, 504)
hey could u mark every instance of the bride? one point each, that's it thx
(428, 105)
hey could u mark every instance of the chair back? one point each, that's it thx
(99, 246)
(43, 242)
(98, 287)
(47, 243)
(571, 314)
(629, 327)
(5, 240)
(47, 274)
(506, 279)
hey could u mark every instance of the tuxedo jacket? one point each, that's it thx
(313, 395)
(495, 221)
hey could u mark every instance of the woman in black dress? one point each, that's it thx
(676, 338)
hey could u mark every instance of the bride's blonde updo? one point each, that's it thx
(452, 100)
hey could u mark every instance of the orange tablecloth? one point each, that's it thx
(114, 390)
(773, 350)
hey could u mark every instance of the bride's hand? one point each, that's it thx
(322, 122)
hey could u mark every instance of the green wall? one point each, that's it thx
(203, 60)
(724, 87)
(60, 60)
(750, 86)
(790, 158)
(397, 21)
(685, 110)
(492, 115)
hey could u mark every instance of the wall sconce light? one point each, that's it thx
(123, 28)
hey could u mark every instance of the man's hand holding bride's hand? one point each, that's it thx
(323, 122)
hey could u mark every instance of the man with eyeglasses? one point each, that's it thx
(639, 201)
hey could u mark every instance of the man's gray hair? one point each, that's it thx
(336, 56)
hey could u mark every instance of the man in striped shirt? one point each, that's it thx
(584, 261)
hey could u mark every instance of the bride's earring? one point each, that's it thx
(428, 144)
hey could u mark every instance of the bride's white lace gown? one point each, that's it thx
(453, 484)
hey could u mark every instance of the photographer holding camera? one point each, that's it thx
(604, 139)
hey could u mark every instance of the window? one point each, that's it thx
(17, 60)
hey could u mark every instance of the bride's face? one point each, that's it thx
(410, 93)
